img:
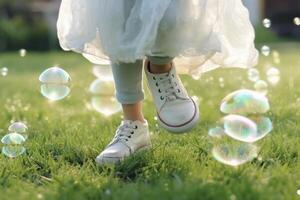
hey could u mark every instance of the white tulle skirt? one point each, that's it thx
(201, 34)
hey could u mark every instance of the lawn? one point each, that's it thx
(65, 137)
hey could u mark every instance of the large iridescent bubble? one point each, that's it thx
(245, 102)
(246, 129)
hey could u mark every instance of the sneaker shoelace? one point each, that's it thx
(167, 86)
(124, 132)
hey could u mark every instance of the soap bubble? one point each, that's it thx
(20, 128)
(261, 86)
(247, 129)
(273, 75)
(22, 52)
(244, 102)
(267, 23)
(13, 139)
(221, 81)
(102, 87)
(253, 74)
(103, 72)
(265, 50)
(234, 153)
(216, 132)
(106, 105)
(103, 97)
(239, 127)
(4, 71)
(13, 151)
(276, 57)
(297, 21)
(55, 83)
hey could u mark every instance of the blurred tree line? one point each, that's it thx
(21, 27)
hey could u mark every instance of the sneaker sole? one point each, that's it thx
(181, 128)
(117, 160)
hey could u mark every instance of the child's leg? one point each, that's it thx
(160, 65)
(133, 134)
(129, 88)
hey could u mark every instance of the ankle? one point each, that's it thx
(159, 69)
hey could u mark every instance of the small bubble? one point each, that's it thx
(298, 192)
(22, 52)
(253, 74)
(273, 76)
(20, 128)
(40, 196)
(265, 50)
(4, 71)
(297, 21)
(276, 57)
(267, 23)
(261, 87)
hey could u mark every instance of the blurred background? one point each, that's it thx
(31, 24)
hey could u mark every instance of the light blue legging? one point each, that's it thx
(128, 79)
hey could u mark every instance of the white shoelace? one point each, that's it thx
(124, 132)
(167, 87)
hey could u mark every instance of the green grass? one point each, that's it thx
(65, 137)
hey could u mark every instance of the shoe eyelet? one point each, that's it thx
(162, 98)
(154, 78)
(131, 132)
(156, 84)
(129, 136)
(126, 139)
(178, 90)
(173, 76)
(159, 90)
(136, 127)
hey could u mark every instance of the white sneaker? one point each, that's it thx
(176, 111)
(130, 137)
